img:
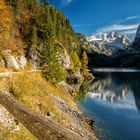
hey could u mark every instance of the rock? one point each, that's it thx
(64, 57)
(22, 62)
(2, 63)
(68, 88)
(82, 134)
(90, 122)
(35, 58)
(7, 120)
(50, 114)
(12, 63)
(136, 43)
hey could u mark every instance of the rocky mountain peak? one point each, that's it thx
(136, 43)
(112, 37)
(109, 43)
(138, 33)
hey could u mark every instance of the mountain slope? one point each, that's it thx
(9, 34)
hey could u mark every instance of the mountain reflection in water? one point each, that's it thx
(112, 89)
(113, 101)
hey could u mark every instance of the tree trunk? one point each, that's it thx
(39, 125)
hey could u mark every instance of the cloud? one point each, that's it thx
(118, 28)
(127, 19)
(129, 32)
(121, 26)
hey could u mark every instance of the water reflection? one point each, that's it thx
(122, 89)
(113, 101)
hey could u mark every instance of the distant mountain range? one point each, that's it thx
(113, 50)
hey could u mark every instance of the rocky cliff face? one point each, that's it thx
(136, 43)
(11, 60)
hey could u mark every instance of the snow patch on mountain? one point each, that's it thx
(109, 43)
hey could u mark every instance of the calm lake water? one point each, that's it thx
(113, 101)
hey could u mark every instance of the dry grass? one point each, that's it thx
(2, 69)
(4, 84)
(22, 134)
(35, 92)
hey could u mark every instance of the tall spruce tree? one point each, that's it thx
(46, 3)
(75, 59)
(34, 36)
(52, 69)
(84, 60)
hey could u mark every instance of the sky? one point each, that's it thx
(101, 16)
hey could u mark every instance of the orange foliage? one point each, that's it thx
(9, 34)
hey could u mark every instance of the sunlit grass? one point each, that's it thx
(35, 92)
(22, 134)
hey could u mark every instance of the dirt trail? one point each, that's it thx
(9, 74)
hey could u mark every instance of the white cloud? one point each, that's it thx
(127, 19)
(118, 28)
(129, 32)
(121, 26)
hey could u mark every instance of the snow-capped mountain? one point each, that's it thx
(109, 43)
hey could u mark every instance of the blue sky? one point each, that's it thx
(100, 16)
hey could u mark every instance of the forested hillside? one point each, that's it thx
(32, 17)
(35, 34)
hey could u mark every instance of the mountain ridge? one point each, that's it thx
(109, 43)
(104, 50)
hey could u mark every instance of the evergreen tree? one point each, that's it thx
(84, 60)
(75, 59)
(52, 69)
(34, 36)
(46, 3)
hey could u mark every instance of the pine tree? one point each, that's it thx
(46, 3)
(52, 69)
(84, 60)
(34, 36)
(86, 73)
(76, 60)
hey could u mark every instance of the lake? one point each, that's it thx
(113, 101)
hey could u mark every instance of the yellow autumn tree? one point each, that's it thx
(9, 34)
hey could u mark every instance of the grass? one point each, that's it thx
(2, 69)
(35, 92)
(22, 134)
(4, 84)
